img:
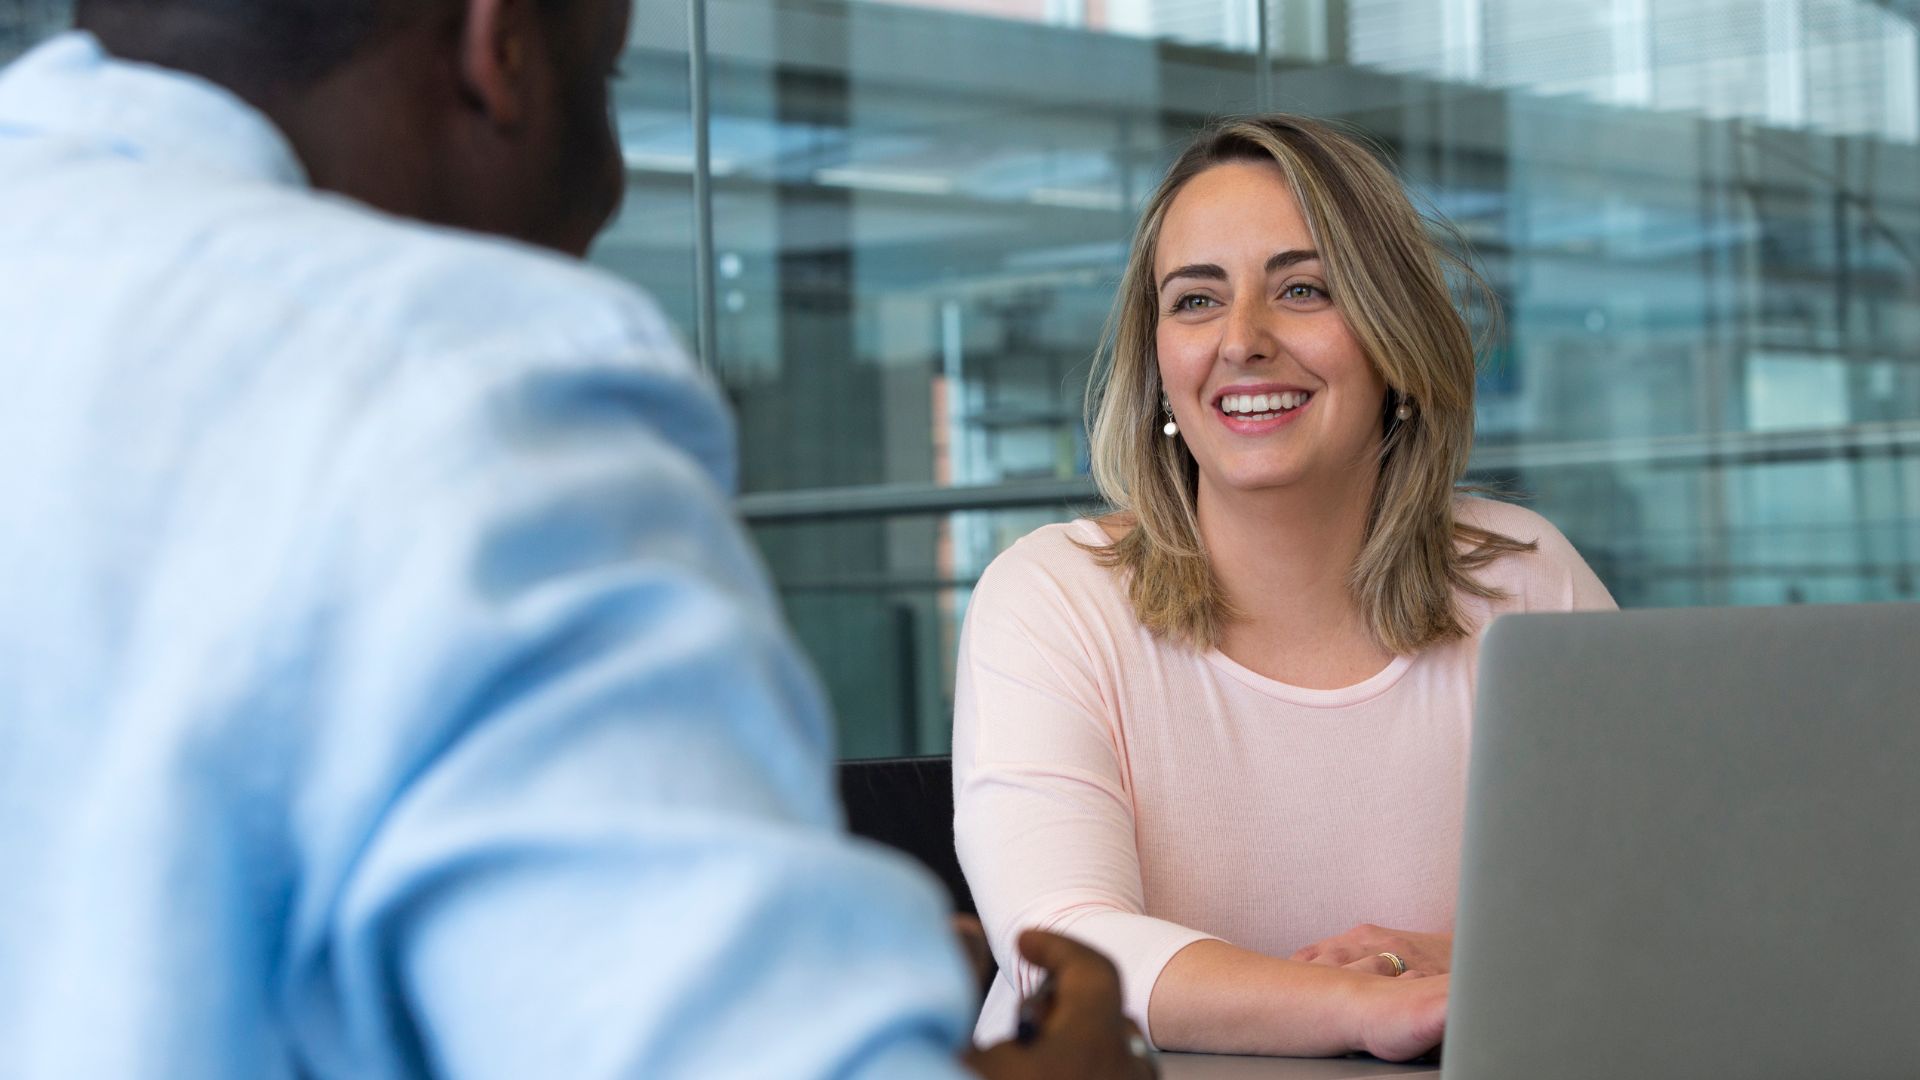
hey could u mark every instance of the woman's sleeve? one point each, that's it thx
(1552, 577)
(1044, 816)
(1573, 584)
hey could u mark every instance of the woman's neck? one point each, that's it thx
(1283, 558)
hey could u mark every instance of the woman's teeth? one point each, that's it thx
(1262, 406)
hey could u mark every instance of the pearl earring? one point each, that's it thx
(1405, 411)
(1170, 429)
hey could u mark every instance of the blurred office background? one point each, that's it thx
(1702, 218)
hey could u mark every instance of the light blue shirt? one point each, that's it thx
(385, 686)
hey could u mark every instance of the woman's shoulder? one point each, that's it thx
(1049, 592)
(1062, 551)
(1054, 569)
(1550, 576)
(1505, 518)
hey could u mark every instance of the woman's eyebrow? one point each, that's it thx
(1195, 270)
(1289, 258)
(1212, 272)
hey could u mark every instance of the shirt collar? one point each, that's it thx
(71, 87)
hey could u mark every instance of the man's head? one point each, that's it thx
(482, 114)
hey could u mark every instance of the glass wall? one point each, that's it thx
(24, 22)
(1702, 218)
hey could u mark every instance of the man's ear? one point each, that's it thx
(496, 53)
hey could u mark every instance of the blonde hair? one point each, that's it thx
(1385, 273)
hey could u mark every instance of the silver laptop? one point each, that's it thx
(1692, 848)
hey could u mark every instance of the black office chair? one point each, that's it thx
(907, 804)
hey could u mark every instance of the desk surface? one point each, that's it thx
(1219, 1067)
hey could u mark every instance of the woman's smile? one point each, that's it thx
(1256, 410)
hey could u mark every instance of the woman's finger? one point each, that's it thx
(1375, 964)
(1338, 951)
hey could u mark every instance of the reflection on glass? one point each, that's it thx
(1702, 218)
(24, 23)
(884, 642)
(651, 241)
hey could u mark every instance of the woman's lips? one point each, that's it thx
(1243, 423)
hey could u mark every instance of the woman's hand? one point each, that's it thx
(1401, 1020)
(1359, 949)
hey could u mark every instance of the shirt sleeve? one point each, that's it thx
(1043, 810)
(1578, 587)
(1552, 577)
(568, 810)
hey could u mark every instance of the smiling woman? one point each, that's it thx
(1330, 212)
(1221, 732)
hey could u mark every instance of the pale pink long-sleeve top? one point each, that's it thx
(1140, 796)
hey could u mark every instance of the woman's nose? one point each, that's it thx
(1247, 336)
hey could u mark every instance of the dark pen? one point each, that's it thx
(1033, 1009)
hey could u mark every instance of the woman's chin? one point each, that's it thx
(1255, 482)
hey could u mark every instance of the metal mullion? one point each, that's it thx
(1263, 57)
(698, 82)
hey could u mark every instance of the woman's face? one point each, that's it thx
(1269, 386)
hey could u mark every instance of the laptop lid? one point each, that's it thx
(1692, 848)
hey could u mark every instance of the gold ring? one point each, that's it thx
(1399, 965)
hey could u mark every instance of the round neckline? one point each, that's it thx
(1365, 690)
(1372, 686)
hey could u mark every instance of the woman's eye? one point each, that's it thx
(1191, 302)
(1302, 292)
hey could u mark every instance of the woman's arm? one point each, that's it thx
(1221, 999)
(1045, 830)
(1043, 810)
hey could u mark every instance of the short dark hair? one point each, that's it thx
(245, 44)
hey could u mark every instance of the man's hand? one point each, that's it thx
(1082, 1033)
(973, 942)
(1360, 949)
